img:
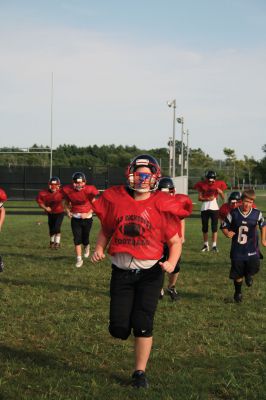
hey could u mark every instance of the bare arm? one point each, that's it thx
(263, 236)
(67, 208)
(221, 194)
(203, 197)
(227, 233)
(101, 244)
(2, 216)
(175, 249)
(43, 206)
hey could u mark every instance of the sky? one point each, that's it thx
(102, 71)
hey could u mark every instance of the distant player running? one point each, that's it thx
(50, 200)
(240, 225)
(166, 185)
(209, 190)
(78, 199)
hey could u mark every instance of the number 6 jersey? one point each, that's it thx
(245, 241)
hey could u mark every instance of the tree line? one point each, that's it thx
(234, 171)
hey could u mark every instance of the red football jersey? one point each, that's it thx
(138, 227)
(185, 201)
(3, 196)
(210, 189)
(226, 208)
(52, 200)
(80, 200)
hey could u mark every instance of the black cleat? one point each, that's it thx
(205, 248)
(238, 297)
(215, 249)
(249, 280)
(173, 293)
(139, 380)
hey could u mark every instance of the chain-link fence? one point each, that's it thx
(23, 183)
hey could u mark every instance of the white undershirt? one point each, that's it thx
(127, 262)
(210, 205)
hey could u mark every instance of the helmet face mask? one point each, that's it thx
(211, 176)
(145, 180)
(78, 180)
(54, 184)
(234, 198)
(166, 185)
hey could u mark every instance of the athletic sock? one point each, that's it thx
(57, 238)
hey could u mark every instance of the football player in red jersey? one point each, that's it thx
(234, 201)
(3, 198)
(78, 199)
(209, 190)
(51, 201)
(166, 185)
(136, 222)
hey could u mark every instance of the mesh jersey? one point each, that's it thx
(185, 202)
(245, 241)
(226, 208)
(80, 200)
(52, 200)
(138, 227)
(3, 196)
(210, 189)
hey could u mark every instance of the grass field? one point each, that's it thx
(54, 341)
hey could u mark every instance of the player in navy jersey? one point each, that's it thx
(240, 225)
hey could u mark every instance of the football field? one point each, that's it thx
(54, 340)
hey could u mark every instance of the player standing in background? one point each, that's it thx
(3, 198)
(209, 190)
(136, 221)
(77, 199)
(240, 225)
(234, 201)
(166, 185)
(50, 200)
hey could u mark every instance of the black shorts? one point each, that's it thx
(205, 216)
(241, 268)
(55, 222)
(81, 230)
(134, 298)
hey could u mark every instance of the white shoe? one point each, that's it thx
(79, 263)
(87, 251)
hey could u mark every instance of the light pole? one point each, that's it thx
(51, 146)
(170, 155)
(180, 120)
(173, 104)
(187, 133)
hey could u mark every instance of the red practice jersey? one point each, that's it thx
(226, 208)
(210, 189)
(51, 199)
(3, 196)
(138, 227)
(185, 201)
(80, 200)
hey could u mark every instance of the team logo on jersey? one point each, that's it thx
(132, 229)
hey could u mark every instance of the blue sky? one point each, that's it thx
(116, 63)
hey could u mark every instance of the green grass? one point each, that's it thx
(54, 341)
